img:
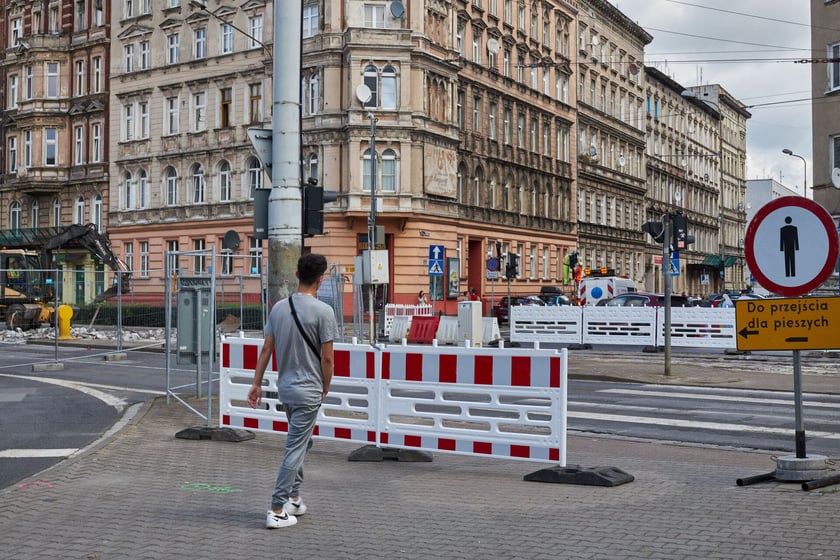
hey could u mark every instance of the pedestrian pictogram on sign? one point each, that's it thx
(436, 253)
(791, 245)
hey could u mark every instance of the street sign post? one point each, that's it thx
(791, 248)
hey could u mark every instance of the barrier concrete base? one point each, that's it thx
(49, 366)
(216, 434)
(116, 357)
(372, 453)
(575, 474)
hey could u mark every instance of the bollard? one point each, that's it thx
(65, 313)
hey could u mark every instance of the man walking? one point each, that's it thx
(300, 330)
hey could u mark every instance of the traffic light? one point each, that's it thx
(512, 268)
(679, 228)
(314, 198)
(656, 230)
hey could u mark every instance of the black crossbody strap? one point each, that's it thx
(300, 328)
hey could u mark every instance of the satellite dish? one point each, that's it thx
(593, 151)
(621, 161)
(835, 177)
(363, 93)
(684, 163)
(230, 240)
(397, 9)
(493, 46)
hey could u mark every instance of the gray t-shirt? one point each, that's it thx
(300, 381)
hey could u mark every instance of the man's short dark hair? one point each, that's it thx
(310, 267)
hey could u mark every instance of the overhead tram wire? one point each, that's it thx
(755, 16)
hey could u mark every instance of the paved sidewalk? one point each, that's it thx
(143, 494)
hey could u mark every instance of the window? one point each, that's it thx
(255, 254)
(13, 157)
(34, 214)
(129, 9)
(313, 167)
(143, 189)
(834, 67)
(366, 171)
(54, 20)
(835, 151)
(506, 127)
(128, 191)
(375, 15)
(459, 109)
(520, 130)
(389, 88)
(97, 74)
(143, 115)
(506, 63)
(476, 124)
(56, 212)
(145, 55)
(145, 6)
(198, 184)
(79, 211)
(50, 146)
(200, 40)
(476, 46)
(13, 91)
(80, 77)
(199, 261)
(225, 101)
(491, 124)
(173, 53)
(96, 142)
(17, 30)
(128, 122)
(172, 257)
(199, 112)
(226, 46)
(52, 80)
(96, 212)
(255, 174)
(310, 20)
(27, 148)
(171, 187)
(389, 171)
(172, 115)
(224, 181)
(312, 95)
(371, 80)
(255, 103)
(14, 215)
(128, 255)
(79, 145)
(255, 27)
(144, 259)
(129, 57)
(28, 81)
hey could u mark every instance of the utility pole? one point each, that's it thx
(667, 280)
(284, 202)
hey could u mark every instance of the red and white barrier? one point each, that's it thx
(501, 402)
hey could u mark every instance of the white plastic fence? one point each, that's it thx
(690, 326)
(394, 310)
(508, 403)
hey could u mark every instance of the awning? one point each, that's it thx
(730, 260)
(712, 260)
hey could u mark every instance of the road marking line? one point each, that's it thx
(35, 453)
(699, 396)
(694, 425)
(110, 400)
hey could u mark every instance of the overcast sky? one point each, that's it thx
(750, 53)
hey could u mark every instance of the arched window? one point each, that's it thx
(506, 202)
(255, 175)
(14, 215)
(56, 212)
(224, 181)
(389, 88)
(371, 80)
(96, 211)
(79, 211)
(476, 194)
(493, 195)
(389, 171)
(198, 184)
(35, 214)
(459, 182)
(312, 172)
(313, 97)
(171, 186)
(128, 191)
(143, 190)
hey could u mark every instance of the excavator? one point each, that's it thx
(27, 289)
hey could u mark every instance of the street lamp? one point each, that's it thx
(805, 166)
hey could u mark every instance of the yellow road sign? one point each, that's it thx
(805, 323)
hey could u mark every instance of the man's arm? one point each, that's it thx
(327, 366)
(255, 392)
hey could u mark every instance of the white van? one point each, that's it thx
(593, 289)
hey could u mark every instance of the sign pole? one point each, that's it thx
(799, 434)
(667, 280)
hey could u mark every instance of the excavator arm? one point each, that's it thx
(86, 236)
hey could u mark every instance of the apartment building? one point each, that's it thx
(825, 107)
(187, 81)
(54, 125)
(474, 124)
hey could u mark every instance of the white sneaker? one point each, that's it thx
(296, 509)
(279, 520)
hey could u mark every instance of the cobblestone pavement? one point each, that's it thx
(143, 494)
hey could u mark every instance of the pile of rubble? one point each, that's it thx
(83, 333)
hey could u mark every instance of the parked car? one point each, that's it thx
(644, 299)
(502, 310)
(555, 299)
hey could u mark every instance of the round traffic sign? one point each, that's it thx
(791, 245)
(493, 264)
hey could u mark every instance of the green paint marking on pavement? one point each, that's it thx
(208, 487)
